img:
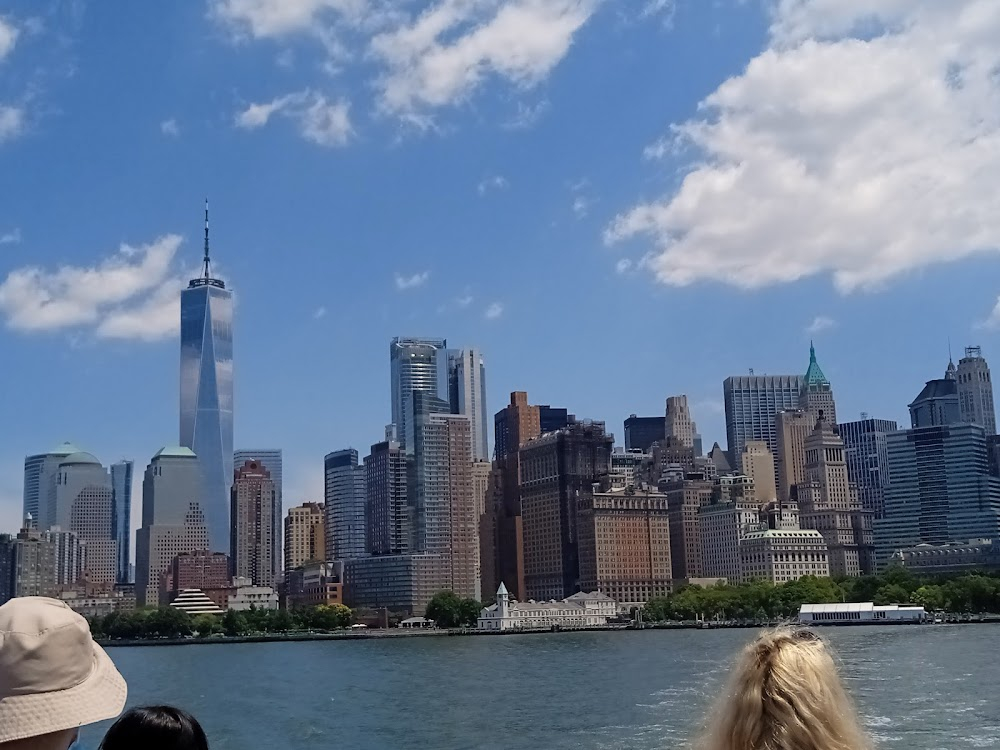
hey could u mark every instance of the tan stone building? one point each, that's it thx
(685, 499)
(173, 519)
(758, 464)
(305, 535)
(792, 427)
(681, 428)
(780, 555)
(721, 526)
(624, 537)
(828, 503)
(253, 498)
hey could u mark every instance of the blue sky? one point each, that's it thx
(615, 201)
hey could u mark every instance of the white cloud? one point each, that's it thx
(11, 122)
(581, 206)
(12, 237)
(8, 37)
(320, 121)
(257, 115)
(170, 128)
(465, 300)
(320, 313)
(820, 323)
(497, 182)
(527, 115)
(863, 143)
(327, 124)
(131, 294)
(411, 282)
(623, 266)
(665, 10)
(494, 311)
(279, 18)
(154, 316)
(992, 321)
(447, 52)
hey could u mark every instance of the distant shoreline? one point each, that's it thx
(376, 633)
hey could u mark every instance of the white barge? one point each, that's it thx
(861, 613)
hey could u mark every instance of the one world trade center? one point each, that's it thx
(207, 393)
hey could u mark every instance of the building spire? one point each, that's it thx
(208, 263)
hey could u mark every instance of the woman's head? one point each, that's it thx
(155, 728)
(785, 694)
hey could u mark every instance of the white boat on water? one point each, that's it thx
(861, 613)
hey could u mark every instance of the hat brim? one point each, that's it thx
(101, 696)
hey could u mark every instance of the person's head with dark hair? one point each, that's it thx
(155, 728)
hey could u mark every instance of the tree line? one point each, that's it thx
(170, 622)
(968, 593)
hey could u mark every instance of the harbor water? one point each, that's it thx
(918, 687)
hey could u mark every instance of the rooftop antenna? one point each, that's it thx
(949, 349)
(208, 274)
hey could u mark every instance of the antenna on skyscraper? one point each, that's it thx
(208, 274)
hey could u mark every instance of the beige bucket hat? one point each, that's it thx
(52, 675)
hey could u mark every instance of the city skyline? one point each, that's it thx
(461, 229)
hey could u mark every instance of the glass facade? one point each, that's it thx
(345, 505)
(121, 514)
(206, 397)
(416, 365)
(751, 405)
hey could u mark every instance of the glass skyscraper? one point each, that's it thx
(206, 403)
(121, 514)
(416, 365)
(466, 395)
(751, 405)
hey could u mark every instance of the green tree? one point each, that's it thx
(930, 597)
(891, 593)
(281, 621)
(234, 623)
(445, 608)
(468, 612)
(206, 625)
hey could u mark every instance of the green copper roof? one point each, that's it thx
(174, 452)
(814, 375)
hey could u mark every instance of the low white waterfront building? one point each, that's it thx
(247, 596)
(581, 610)
(860, 613)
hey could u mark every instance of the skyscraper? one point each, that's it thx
(514, 425)
(121, 512)
(817, 394)
(253, 498)
(442, 494)
(937, 404)
(828, 503)
(39, 474)
(679, 427)
(940, 489)
(975, 390)
(387, 514)
(270, 459)
(173, 520)
(467, 396)
(792, 427)
(642, 432)
(345, 505)
(752, 401)
(940, 486)
(758, 464)
(558, 471)
(415, 364)
(305, 535)
(80, 501)
(206, 392)
(868, 459)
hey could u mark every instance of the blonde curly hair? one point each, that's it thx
(785, 694)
